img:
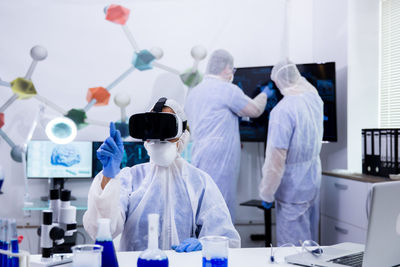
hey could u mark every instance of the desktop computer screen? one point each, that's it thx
(253, 80)
(134, 153)
(46, 159)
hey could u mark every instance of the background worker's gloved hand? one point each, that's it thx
(267, 205)
(268, 91)
(110, 153)
(188, 245)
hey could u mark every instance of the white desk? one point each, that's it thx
(253, 257)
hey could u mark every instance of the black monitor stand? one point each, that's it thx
(55, 183)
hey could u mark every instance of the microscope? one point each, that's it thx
(57, 232)
(67, 213)
(51, 235)
(64, 216)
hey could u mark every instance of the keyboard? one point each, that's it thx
(354, 260)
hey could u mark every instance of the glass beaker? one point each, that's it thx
(215, 251)
(86, 255)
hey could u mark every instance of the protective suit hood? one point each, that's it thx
(220, 65)
(288, 79)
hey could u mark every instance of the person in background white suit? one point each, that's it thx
(213, 108)
(292, 168)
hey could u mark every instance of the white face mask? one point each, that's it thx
(161, 153)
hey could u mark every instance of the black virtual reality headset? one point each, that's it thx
(156, 125)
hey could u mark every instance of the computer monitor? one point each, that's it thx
(134, 153)
(253, 79)
(46, 159)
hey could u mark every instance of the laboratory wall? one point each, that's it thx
(330, 44)
(363, 74)
(87, 51)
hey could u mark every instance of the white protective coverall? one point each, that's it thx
(186, 198)
(213, 108)
(292, 168)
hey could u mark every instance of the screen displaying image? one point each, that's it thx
(253, 80)
(46, 159)
(134, 153)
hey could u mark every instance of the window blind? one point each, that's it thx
(389, 104)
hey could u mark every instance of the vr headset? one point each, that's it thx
(156, 125)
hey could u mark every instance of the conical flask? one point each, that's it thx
(108, 256)
(153, 256)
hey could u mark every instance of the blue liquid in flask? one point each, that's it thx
(108, 256)
(215, 262)
(152, 256)
(103, 238)
(152, 263)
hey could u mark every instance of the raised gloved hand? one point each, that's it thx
(188, 245)
(268, 91)
(267, 205)
(110, 153)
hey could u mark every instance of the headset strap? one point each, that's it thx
(160, 104)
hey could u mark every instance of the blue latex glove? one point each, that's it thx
(188, 245)
(266, 205)
(268, 91)
(110, 153)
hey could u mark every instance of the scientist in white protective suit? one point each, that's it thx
(187, 199)
(292, 168)
(213, 108)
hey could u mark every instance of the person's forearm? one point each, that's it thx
(104, 182)
(104, 202)
(255, 107)
(272, 171)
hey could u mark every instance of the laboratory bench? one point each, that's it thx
(365, 178)
(344, 206)
(238, 257)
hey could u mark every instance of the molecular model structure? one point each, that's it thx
(143, 60)
(23, 88)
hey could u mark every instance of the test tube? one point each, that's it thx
(2, 239)
(13, 238)
(4, 226)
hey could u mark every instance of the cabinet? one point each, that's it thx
(344, 205)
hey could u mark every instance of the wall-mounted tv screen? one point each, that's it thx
(252, 81)
(46, 159)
